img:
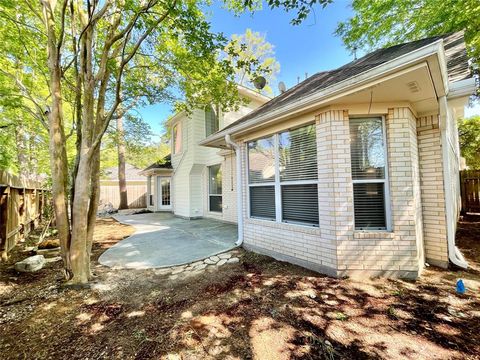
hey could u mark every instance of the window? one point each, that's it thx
(211, 120)
(283, 177)
(149, 191)
(215, 188)
(261, 178)
(369, 173)
(177, 138)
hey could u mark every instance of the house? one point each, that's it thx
(354, 171)
(190, 183)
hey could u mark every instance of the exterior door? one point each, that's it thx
(164, 193)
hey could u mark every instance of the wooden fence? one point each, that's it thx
(21, 207)
(136, 193)
(470, 187)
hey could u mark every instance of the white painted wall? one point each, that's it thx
(190, 178)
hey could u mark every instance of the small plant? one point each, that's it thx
(397, 292)
(392, 312)
(139, 334)
(341, 316)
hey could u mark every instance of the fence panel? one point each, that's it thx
(21, 208)
(470, 186)
(136, 193)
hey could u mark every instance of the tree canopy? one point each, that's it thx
(253, 50)
(469, 137)
(381, 23)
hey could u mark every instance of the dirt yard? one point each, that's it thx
(258, 308)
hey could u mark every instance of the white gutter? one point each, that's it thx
(338, 89)
(238, 170)
(462, 88)
(454, 253)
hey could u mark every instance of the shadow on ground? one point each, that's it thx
(259, 308)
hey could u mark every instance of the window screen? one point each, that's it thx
(262, 202)
(300, 203)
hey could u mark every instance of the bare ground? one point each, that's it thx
(259, 308)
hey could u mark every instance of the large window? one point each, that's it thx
(369, 173)
(283, 177)
(215, 188)
(177, 138)
(211, 120)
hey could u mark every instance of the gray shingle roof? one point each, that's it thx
(164, 163)
(457, 66)
(131, 173)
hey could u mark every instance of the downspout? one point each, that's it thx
(454, 254)
(238, 170)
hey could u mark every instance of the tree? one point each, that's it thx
(253, 48)
(122, 181)
(101, 57)
(469, 138)
(381, 23)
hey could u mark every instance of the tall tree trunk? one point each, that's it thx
(122, 182)
(57, 143)
(93, 206)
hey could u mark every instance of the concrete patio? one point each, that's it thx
(162, 240)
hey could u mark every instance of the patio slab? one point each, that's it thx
(163, 240)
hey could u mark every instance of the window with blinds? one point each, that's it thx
(283, 177)
(211, 120)
(368, 158)
(215, 188)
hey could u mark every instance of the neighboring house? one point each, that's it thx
(198, 182)
(353, 171)
(110, 190)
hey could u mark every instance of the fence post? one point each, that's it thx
(4, 191)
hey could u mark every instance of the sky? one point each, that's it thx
(306, 48)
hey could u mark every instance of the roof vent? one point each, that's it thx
(413, 86)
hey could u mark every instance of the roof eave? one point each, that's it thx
(323, 95)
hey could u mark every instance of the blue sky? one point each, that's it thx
(306, 48)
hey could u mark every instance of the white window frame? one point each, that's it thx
(209, 192)
(385, 181)
(277, 184)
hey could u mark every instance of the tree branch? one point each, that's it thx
(119, 76)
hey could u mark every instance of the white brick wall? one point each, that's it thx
(335, 247)
(433, 197)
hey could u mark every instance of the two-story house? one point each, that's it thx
(354, 171)
(198, 181)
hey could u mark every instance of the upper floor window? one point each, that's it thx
(177, 138)
(283, 177)
(369, 173)
(211, 120)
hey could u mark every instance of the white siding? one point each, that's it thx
(190, 179)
